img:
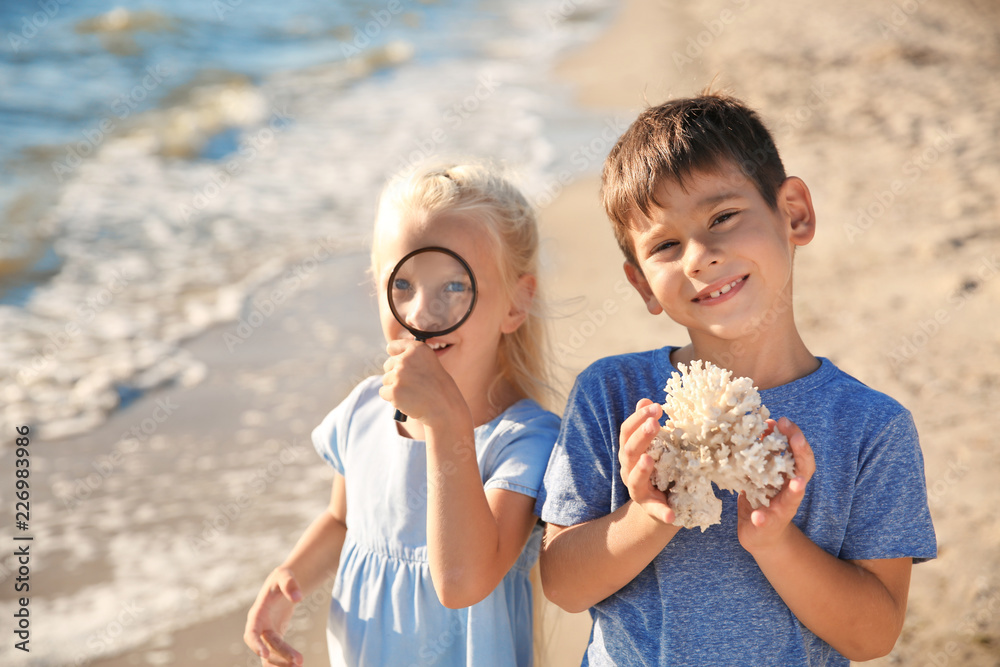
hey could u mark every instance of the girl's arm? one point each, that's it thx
(855, 606)
(312, 562)
(473, 536)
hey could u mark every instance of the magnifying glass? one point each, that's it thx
(431, 292)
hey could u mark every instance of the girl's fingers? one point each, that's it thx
(280, 652)
(251, 637)
(290, 589)
(398, 345)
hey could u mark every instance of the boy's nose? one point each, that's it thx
(699, 255)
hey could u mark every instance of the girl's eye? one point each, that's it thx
(455, 286)
(401, 284)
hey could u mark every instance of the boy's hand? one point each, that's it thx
(637, 433)
(269, 617)
(765, 527)
(416, 383)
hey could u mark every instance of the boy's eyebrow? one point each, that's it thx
(713, 200)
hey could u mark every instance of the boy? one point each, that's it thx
(709, 222)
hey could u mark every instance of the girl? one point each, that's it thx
(431, 528)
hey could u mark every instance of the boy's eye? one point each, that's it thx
(723, 217)
(666, 245)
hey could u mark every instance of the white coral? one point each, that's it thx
(714, 434)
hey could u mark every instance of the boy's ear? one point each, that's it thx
(795, 203)
(520, 306)
(641, 285)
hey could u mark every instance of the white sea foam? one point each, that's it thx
(157, 249)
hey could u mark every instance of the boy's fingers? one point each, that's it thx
(641, 485)
(652, 500)
(805, 460)
(636, 446)
(642, 425)
(633, 420)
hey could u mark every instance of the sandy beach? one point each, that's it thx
(886, 112)
(889, 111)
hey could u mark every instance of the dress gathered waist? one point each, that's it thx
(367, 544)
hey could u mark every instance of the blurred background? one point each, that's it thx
(186, 193)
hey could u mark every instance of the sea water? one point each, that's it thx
(164, 159)
(163, 162)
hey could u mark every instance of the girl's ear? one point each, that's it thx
(641, 285)
(795, 204)
(520, 306)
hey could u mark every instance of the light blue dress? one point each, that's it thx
(384, 609)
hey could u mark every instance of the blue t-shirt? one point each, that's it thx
(703, 600)
(384, 609)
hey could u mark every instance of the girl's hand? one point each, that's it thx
(637, 433)
(269, 617)
(417, 384)
(765, 527)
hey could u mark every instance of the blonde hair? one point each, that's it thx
(511, 228)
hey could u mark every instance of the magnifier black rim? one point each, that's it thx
(419, 333)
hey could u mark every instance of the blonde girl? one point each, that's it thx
(430, 527)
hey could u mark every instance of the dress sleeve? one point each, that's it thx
(330, 437)
(579, 482)
(519, 461)
(326, 441)
(889, 516)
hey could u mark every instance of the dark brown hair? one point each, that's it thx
(674, 140)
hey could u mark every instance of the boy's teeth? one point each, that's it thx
(725, 288)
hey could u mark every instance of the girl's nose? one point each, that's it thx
(424, 312)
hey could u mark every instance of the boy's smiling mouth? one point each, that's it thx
(709, 295)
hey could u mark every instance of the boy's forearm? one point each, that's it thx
(584, 564)
(843, 603)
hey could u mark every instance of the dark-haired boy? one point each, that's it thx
(709, 223)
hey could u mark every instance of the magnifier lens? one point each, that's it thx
(431, 292)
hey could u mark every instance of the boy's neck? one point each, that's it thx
(770, 361)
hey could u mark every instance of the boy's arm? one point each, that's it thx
(855, 606)
(583, 564)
